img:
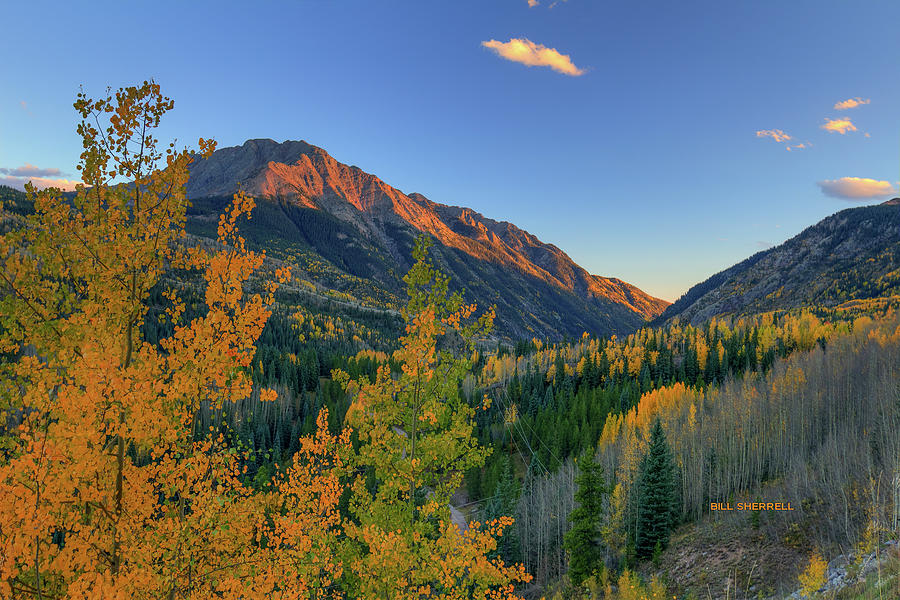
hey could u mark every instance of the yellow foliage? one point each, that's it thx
(613, 530)
(663, 403)
(415, 437)
(631, 588)
(813, 577)
(105, 489)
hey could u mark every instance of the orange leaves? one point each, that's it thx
(206, 147)
(176, 305)
(107, 451)
(268, 395)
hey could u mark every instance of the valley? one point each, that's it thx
(364, 377)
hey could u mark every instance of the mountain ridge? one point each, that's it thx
(307, 177)
(850, 255)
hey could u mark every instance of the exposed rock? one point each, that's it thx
(839, 574)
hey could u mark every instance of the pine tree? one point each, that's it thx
(503, 504)
(583, 540)
(656, 495)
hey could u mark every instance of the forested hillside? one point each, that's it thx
(818, 430)
(122, 470)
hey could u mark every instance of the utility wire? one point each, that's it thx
(540, 441)
(524, 438)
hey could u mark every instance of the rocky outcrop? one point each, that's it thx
(849, 569)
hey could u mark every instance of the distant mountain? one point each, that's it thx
(853, 254)
(316, 207)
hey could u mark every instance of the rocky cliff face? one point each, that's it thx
(487, 257)
(853, 254)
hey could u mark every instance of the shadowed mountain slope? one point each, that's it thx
(853, 254)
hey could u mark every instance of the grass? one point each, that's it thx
(881, 584)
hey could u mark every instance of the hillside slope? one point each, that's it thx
(853, 254)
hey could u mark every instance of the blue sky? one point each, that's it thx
(638, 155)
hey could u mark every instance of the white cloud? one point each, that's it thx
(27, 170)
(41, 177)
(526, 52)
(851, 103)
(856, 188)
(800, 146)
(67, 185)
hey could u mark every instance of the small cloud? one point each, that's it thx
(800, 146)
(28, 170)
(841, 126)
(532, 3)
(867, 134)
(23, 104)
(41, 177)
(851, 103)
(526, 52)
(776, 134)
(764, 245)
(856, 188)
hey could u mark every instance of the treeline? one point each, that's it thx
(550, 402)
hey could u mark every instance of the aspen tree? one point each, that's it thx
(105, 490)
(415, 437)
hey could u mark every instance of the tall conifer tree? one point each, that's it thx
(583, 540)
(503, 504)
(656, 495)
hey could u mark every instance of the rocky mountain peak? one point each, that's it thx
(306, 176)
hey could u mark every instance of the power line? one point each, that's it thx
(518, 425)
(540, 441)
